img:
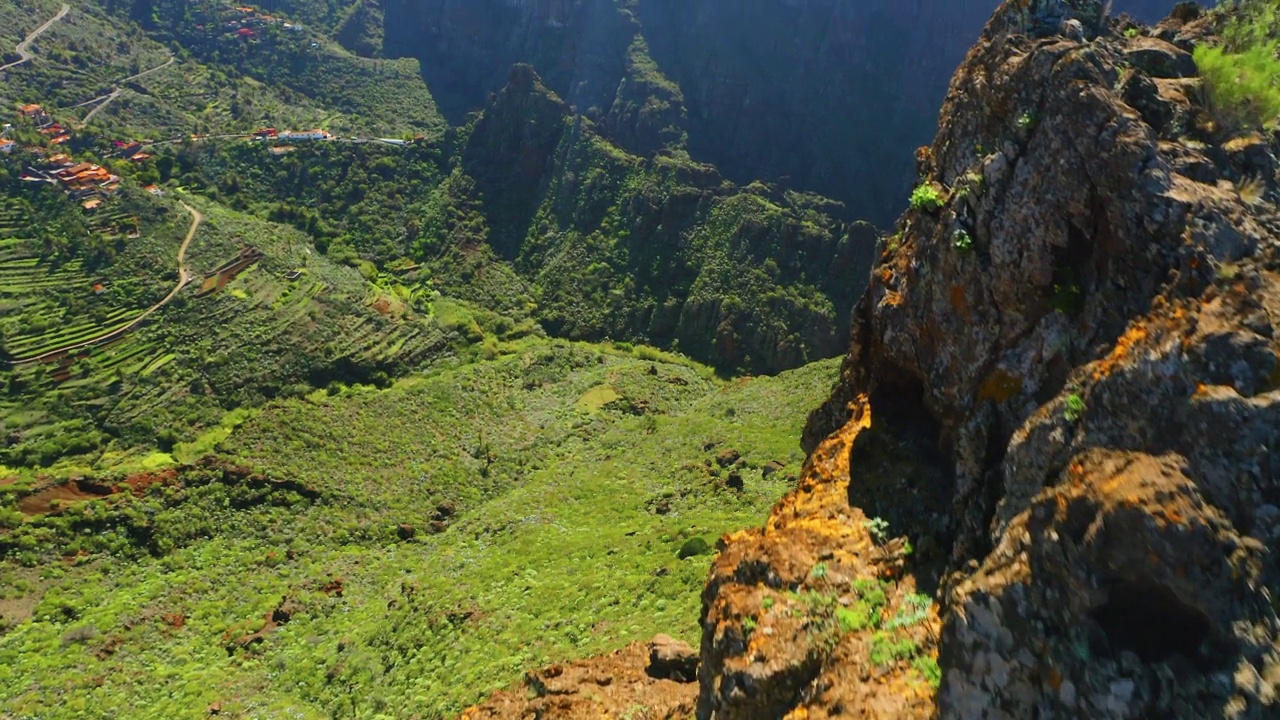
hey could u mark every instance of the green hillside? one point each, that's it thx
(289, 322)
(529, 209)
(564, 481)
(195, 75)
(370, 425)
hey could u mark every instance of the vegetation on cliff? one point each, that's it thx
(1242, 75)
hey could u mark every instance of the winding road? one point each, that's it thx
(115, 92)
(184, 277)
(24, 47)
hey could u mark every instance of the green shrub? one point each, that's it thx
(693, 547)
(1243, 88)
(915, 609)
(1242, 76)
(928, 669)
(1074, 408)
(926, 197)
(887, 649)
(878, 528)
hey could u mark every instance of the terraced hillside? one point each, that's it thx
(57, 290)
(287, 322)
(430, 541)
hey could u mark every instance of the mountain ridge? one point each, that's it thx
(844, 96)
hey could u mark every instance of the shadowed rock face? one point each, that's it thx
(1064, 386)
(823, 95)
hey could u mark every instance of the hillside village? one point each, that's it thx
(246, 22)
(92, 184)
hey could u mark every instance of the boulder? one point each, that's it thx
(672, 659)
(1160, 59)
(727, 457)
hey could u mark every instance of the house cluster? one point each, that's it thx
(46, 124)
(131, 151)
(90, 184)
(246, 22)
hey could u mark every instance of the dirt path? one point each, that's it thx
(24, 47)
(115, 92)
(184, 277)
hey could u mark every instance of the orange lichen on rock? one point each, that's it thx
(815, 545)
(1124, 346)
(825, 479)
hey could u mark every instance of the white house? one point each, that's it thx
(304, 135)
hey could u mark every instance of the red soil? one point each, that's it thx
(41, 502)
(139, 482)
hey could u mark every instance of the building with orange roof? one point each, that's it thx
(7, 146)
(75, 170)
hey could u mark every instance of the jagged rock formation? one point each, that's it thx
(1064, 387)
(823, 95)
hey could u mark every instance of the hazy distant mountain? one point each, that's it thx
(824, 95)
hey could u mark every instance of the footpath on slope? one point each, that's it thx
(184, 277)
(23, 48)
(118, 89)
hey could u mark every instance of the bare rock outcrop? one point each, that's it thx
(1064, 388)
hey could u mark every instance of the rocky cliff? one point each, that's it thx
(1047, 482)
(822, 95)
(1058, 422)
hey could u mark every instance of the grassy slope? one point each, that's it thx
(557, 552)
(573, 508)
